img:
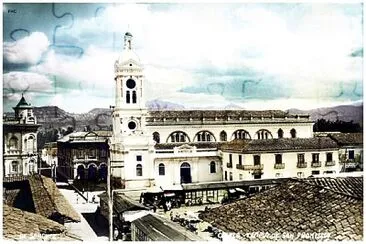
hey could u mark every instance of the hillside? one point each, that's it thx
(343, 112)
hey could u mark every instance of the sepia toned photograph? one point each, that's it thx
(147, 121)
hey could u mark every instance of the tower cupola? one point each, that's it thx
(127, 53)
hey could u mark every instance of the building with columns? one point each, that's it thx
(159, 148)
(20, 141)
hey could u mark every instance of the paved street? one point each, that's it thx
(84, 229)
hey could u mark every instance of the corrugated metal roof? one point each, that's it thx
(159, 229)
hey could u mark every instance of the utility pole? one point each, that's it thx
(109, 191)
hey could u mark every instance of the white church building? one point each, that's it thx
(160, 148)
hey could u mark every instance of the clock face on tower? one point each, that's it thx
(132, 125)
(130, 84)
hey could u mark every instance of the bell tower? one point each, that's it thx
(129, 78)
(131, 143)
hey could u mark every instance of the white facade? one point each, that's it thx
(20, 141)
(159, 148)
(287, 169)
(131, 144)
(49, 154)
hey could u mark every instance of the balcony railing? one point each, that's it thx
(250, 167)
(330, 163)
(229, 165)
(279, 166)
(316, 164)
(350, 165)
(302, 164)
(13, 151)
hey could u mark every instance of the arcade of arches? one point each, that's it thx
(207, 136)
(92, 172)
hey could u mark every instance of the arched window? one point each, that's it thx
(14, 167)
(128, 98)
(25, 144)
(293, 133)
(241, 134)
(30, 144)
(280, 133)
(205, 136)
(223, 136)
(139, 170)
(133, 96)
(178, 136)
(92, 171)
(13, 143)
(185, 165)
(212, 167)
(161, 169)
(31, 166)
(263, 134)
(156, 137)
(80, 172)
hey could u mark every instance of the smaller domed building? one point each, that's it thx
(20, 141)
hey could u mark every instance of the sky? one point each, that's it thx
(248, 55)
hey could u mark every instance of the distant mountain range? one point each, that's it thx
(100, 118)
(344, 112)
(163, 105)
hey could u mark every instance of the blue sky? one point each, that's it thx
(257, 56)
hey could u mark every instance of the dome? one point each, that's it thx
(128, 34)
(127, 55)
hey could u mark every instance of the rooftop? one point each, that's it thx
(347, 138)
(291, 144)
(22, 103)
(18, 224)
(218, 113)
(294, 207)
(156, 117)
(122, 203)
(40, 195)
(87, 136)
(352, 186)
(159, 229)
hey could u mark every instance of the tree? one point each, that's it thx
(322, 125)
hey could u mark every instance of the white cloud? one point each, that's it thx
(81, 103)
(26, 81)
(199, 100)
(27, 50)
(284, 104)
(307, 49)
(57, 100)
(94, 71)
